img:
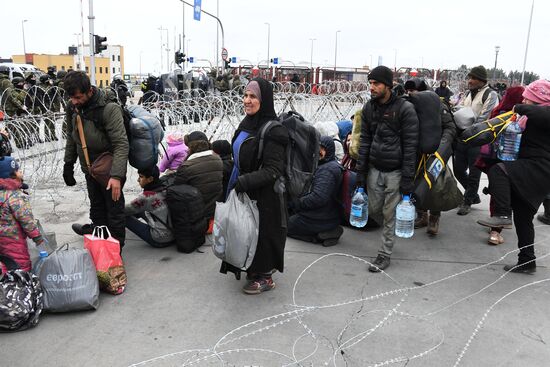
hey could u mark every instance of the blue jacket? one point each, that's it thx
(322, 202)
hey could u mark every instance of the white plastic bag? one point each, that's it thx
(235, 233)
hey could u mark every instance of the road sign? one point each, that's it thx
(197, 10)
(191, 59)
(224, 54)
(233, 60)
(275, 60)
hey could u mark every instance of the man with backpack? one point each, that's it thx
(387, 156)
(482, 99)
(103, 132)
(318, 212)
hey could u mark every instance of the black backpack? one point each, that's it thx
(428, 109)
(21, 298)
(302, 155)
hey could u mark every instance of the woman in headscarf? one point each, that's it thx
(521, 185)
(257, 177)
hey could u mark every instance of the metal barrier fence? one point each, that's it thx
(38, 138)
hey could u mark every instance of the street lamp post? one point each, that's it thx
(395, 60)
(497, 49)
(335, 52)
(311, 57)
(23, 30)
(188, 54)
(268, 39)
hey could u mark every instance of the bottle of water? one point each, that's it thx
(509, 142)
(38, 265)
(359, 214)
(404, 218)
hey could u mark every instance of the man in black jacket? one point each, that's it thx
(387, 152)
(317, 217)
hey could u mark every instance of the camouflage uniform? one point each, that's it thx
(12, 103)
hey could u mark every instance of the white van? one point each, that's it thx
(20, 69)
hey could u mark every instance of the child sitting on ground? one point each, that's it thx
(177, 152)
(16, 219)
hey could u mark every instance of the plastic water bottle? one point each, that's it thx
(509, 142)
(38, 265)
(359, 214)
(404, 218)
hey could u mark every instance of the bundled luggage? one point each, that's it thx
(487, 131)
(144, 136)
(21, 297)
(428, 109)
(69, 281)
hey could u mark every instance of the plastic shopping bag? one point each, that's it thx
(107, 260)
(236, 230)
(69, 280)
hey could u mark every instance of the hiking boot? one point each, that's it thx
(259, 285)
(477, 200)
(330, 238)
(495, 238)
(82, 229)
(381, 263)
(527, 268)
(421, 220)
(433, 225)
(496, 222)
(464, 209)
(544, 218)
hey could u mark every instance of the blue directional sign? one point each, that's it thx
(197, 10)
(191, 59)
(233, 59)
(275, 60)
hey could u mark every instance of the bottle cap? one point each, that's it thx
(360, 189)
(406, 197)
(43, 254)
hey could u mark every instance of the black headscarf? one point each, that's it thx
(251, 124)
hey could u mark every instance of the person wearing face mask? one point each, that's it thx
(103, 129)
(16, 219)
(257, 176)
(317, 217)
(520, 186)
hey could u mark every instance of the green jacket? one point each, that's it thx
(107, 134)
(11, 99)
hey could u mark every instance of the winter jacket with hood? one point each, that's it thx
(152, 204)
(389, 137)
(16, 223)
(106, 134)
(321, 203)
(176, 153)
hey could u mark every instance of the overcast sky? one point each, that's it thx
(439, 34)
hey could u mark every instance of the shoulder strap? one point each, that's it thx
(82, 139)
(485, 95)
(263, 132)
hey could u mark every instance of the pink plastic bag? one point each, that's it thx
(106, 255)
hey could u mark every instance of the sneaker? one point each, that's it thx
(82, 229)
(477, 200)
(433, 225)
(496, 222)
(421, 220)
(495, 238)
(464, 209)
(528, 268)
(259, 285)
(381, 263)
(330, 238)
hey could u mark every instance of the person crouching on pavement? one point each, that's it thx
(16, 220)
(387, 156)
(318, 213)
(520, 186)
(151, 206)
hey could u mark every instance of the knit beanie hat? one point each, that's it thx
(195, 136)
(479, 72)
(254, 87)
(8, 166)
(538, 92)
(382, 74)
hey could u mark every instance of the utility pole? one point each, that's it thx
(497, 49)
(268, 41)
(527, 44)
(183, 34)
(311, 58)
(92, 42)
(335, 53)
(24, 46)
(161, 50)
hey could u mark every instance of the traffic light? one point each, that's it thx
(179, 57)
(227, 66)
(98, 44)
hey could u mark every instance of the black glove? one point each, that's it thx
(360, 180)
(406, 186)
(68, 174)
(239, 187)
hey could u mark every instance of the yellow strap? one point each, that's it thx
(503, 121)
